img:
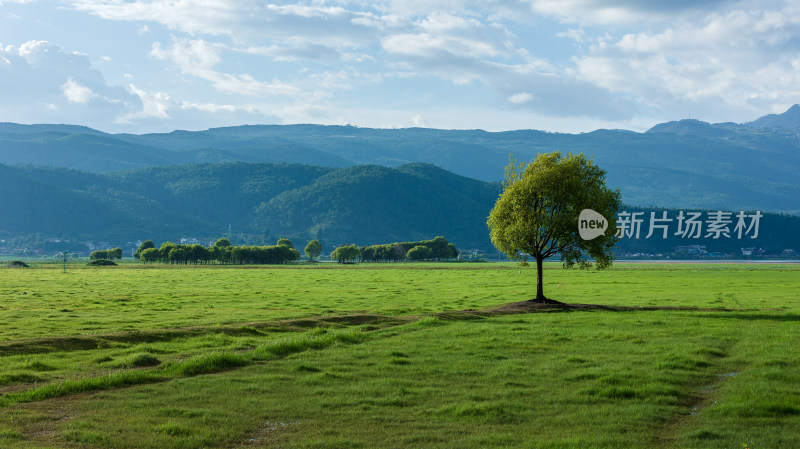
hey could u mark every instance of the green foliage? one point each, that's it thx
(313, 249)
(419, 253)
(108, 254)
(222, 243)
(278, 254)
(537, 213)
(147, 244)
(17, 264)
(285, 242)
(439, 247)
(150, 255)
(222, 252)
(383, 253)
(346, 253)
(99, 254)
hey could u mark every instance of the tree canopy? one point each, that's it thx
(106, 254)
(537, 213)
(313, 249)
(346, 253)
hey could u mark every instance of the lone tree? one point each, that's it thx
(313, 249)
(537, 213)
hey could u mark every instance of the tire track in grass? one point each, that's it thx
(91, 342)
(317, 338)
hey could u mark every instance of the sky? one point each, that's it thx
(142, 66)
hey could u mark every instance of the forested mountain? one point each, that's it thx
(370, 203)
(362, 204)
(682, 164)
(365, 205)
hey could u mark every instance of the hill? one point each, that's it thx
(681, 164)
(257, 202)
(375, 204)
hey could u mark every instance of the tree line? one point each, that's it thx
(284, 252)
(436, 249)
(221, 252)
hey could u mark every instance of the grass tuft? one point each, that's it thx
(18, 378)
(210, 363)
(68, 387)
(292, 345)
(40, 366)
(10, 434)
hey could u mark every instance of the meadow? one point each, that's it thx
(399, 355)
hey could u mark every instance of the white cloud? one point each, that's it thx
(308, 11)
(214, 108)
(76, 93)
(575, 34)
(739, 59)
(192, 56)
(611, 12)
(520, 98)
(198, 58)
(608, 60)
(156, 105)
(42, 83)
(241, 20)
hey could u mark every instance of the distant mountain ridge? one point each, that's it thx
(788, 120)
(681, 164)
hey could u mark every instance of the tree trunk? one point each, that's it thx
(539, 280)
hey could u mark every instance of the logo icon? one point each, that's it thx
(591, 224)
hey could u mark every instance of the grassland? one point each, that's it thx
(360, 356)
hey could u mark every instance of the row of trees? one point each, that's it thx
(283, 252)
(436, 249)
(222, 252)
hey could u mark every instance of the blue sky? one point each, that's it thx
(559, 65)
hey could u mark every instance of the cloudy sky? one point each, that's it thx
(558, 65)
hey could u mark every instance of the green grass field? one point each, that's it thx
(330, 356)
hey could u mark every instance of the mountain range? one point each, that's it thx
(681, 164)
(369, 186)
